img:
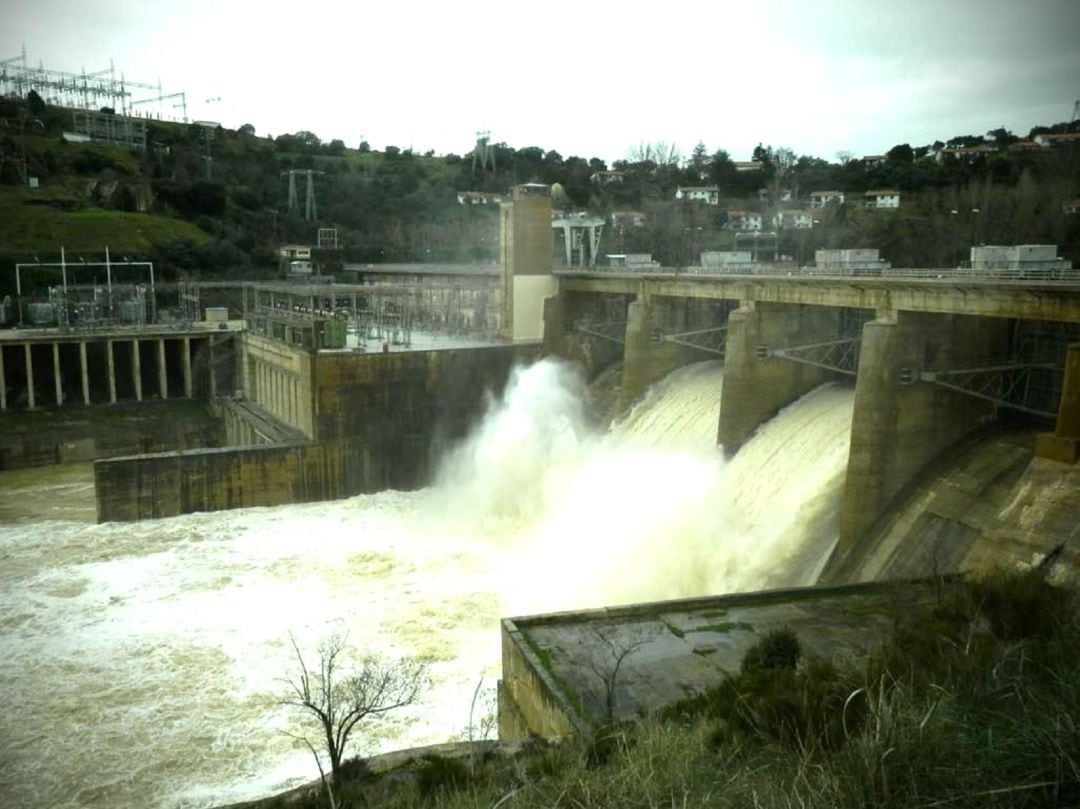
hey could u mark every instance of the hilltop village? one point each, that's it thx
(208, 202)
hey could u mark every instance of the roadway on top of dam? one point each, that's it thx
(946, 292)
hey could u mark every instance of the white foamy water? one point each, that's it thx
(139, 663)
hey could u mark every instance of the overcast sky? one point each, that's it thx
(584, 78)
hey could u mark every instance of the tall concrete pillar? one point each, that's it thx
(897, 429)
(136, 369)
(85, 372)
(645, 360)
(58, 382)
(1064, 443)
(873, 431)
(3, 382)
(29, 376)
(185, 363)
(213, 369)
(755, 388)
(163, 379)
(110, 370)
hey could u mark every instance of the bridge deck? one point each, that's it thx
(1027, 299)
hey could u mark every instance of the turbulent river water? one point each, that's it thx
(140, 663)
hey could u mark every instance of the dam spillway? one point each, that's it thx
(140, 661)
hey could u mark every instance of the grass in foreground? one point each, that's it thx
(975, 704)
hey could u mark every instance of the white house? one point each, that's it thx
(748, 165)
(709, 194)
(819, 199)
(295, 252)
(782, 195)
(606, 177)
(794, 218)
(1071, 206)
(478, 198)
(628, 219)
(886, 198)
(738, 219)
(1057, 139)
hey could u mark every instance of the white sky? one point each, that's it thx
(584, 78)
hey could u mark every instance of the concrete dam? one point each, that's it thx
(773, 432)
(173, 632)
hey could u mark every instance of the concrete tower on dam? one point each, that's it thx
(525, 239)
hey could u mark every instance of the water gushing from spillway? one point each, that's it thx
(140, 662)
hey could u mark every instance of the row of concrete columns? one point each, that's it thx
(277, 391)
(136, 372)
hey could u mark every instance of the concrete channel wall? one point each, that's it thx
(379, 421)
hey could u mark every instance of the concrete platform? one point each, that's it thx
(555, 666)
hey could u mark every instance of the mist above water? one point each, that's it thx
(140, 662)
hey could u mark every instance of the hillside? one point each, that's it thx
(216, 201)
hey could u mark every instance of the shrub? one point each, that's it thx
(779, 649)
(440, 775)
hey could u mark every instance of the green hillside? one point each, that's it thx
(216, 201)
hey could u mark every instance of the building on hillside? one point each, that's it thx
(782, 195)
(965, 153)
(633, 262)
(295, 252)
(606, 177)
(874, 159)
(819, 199)
(727, 260)
(628, 219)
(794, 219)
(748, 165)
(479, 198)
(1024, 146)
(708, 194)
(1059, 139)
(884, 198)
(1018, 258)
(851, 261)
(738, 219)
(1071, 206)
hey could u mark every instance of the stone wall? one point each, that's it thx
(42, 437)
(380, 421)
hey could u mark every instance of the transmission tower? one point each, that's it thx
(310, 209)
(1076, 112)
(483, 152)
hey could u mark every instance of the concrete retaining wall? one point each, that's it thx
(381, 421)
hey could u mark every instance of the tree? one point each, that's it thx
(35, 103)
(337, 696)
(901, 153)
(616, 649)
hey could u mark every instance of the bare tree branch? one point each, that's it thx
(337, 700)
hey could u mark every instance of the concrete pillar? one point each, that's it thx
(213, 369)
(646, 361)
(756, 388)
(29, 376)
(111, 370)
(58, 382)
(185, 360)
(163, 379)
(873, 428)
(136, 369)
(1064, 443)
(896, 430)
(3, 382)
(85, 373)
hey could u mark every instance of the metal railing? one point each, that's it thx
(1062, 275)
